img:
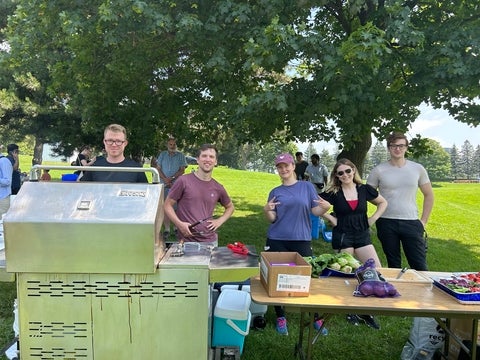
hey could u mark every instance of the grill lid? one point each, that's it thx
(84, 228)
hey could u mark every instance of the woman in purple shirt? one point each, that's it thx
(288, 210)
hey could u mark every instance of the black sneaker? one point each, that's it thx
(353, 319)
(369, 320)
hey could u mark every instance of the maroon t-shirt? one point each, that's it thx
(196, 200)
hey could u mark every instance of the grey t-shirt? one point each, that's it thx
(317, 174)
(399, 186)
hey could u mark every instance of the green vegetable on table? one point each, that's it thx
(343, 262)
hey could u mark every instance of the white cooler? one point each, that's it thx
(232, 318)
(257, 310)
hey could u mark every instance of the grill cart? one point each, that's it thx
(95, 281)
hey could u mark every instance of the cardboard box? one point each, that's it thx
(463, 329)
(285, 274)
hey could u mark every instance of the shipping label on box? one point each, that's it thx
(285, 274)
(300, 283)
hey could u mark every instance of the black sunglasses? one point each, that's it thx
(347, 171)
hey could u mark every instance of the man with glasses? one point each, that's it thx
(196, 195)
(115, 141)
(398, 180)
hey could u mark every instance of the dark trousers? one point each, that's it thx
(408, 233)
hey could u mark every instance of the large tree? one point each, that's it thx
(467, 160)
(302, 70)
(437, 162)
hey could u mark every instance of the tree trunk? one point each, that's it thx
(358, 152)
(37, 152)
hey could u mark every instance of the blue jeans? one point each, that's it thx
(408, 233)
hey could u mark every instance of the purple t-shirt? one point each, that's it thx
(293, 213)
(196, 200)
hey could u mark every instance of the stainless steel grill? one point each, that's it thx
(94, 280)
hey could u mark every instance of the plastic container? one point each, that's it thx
(326, 232)
(231, 322)
(69, 177)
(257, 310)
(410, 353)
(331, 272)
(315, 226)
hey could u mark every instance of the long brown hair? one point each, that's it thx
(335, 184)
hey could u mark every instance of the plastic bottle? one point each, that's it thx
(410, 353)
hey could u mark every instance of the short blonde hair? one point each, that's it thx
(116, 128)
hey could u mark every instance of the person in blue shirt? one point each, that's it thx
(288, 210)
(6, 171)
(171, 164)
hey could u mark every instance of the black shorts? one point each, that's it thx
(304, 248)
(356, 240)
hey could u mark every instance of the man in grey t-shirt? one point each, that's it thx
(317, 173)
(398, 180)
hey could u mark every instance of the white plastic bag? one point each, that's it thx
(12, 352)
(426, 337)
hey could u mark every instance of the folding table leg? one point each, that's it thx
(299, 351)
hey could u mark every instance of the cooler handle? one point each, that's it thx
(236, 328)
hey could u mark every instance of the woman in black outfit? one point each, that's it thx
(351, 223)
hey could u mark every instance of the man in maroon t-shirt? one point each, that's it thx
(196, 195)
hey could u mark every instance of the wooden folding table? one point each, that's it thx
(334, 295)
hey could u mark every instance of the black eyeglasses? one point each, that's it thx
(116, 142)
(347, 171)
(399, 146)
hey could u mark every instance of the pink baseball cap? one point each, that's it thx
(284, 158)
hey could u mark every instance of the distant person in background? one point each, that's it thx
(6, 171)
(101, 155)
(83, 158)
(115, 141)
(195, 197)
(317, 173)
(170, 164)
(45, 175)
(300, 165)
(12, 155)
(288, 210)
(398, 181)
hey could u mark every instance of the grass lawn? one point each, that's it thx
(453, 246)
